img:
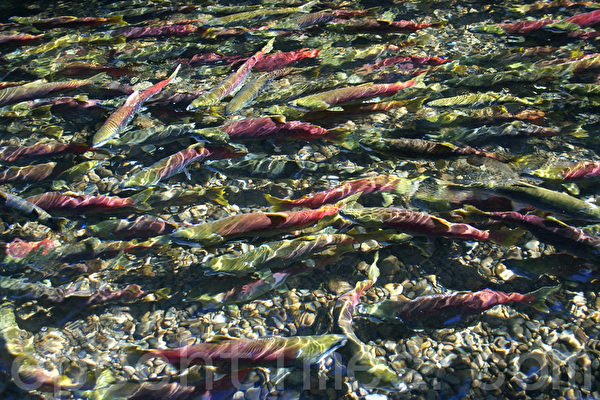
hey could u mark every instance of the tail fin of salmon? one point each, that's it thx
(306, 7)
(578, 133)
(420, 81)
(174, 74)
(216, 111)
(414, 105)
(216, 195)
(506, 237)
(141, 199)
(541, 295)
(133, 354)
(116, 19)
(279, 204)
(102, 76)
(341, 137)
(349, 202)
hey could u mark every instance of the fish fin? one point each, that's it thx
(388, 199)
(541, 295)
(216, 111)
(280, 119)
(279, 204)
(440, 223)
(216, 195)
(414, 105)
(520, 162)
(556, 222)
(220, 338)
(506, 237)
(102, 76)
(469, 210)
(340, 135)
(187, 174)
(133, 354)
(578, 133)
(420, 80)
(269, 46)
(116, 19)
(277, 218)
(306, 7)
(141, 198)
(349, 202)
(174, 74)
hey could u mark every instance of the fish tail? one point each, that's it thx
(349, 202)
(469, 213)
(506, 237)
(216, 111)
(98, 78)
(420, 80)
(116, 19)
(174, 74)
(342, 137)
(279, 204)
(133, 354)
(414, 105)
(306, 7)
(540, 295)
(216, 195)
(578, 133)
(141, 199)
(521, 161)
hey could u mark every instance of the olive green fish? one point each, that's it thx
(124, 114)
(250, 90)
(230, 83)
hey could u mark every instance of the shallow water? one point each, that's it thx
(466, 268)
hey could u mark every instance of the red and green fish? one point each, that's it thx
(18, 38)
(379, 183)
(462, 302)
(583, 170)
(125, 113)
(376, 25)
(281, 59)
(419, 223)
(211, 233)
(410, 147)
(278, 127)
(548, 229)
(80, 203)
(13, 152)
(37, 89)
(30, 173)
(166, 167)
(137, 32)
(222, 351)
(325, 100)
(143, 227)
(230, 83)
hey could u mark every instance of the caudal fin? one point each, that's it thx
(141, 199)
(541, 295)
(342, 137)
(216, 195)
(506, 237)
(279, 204)
(116, 19)
(349, 202)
